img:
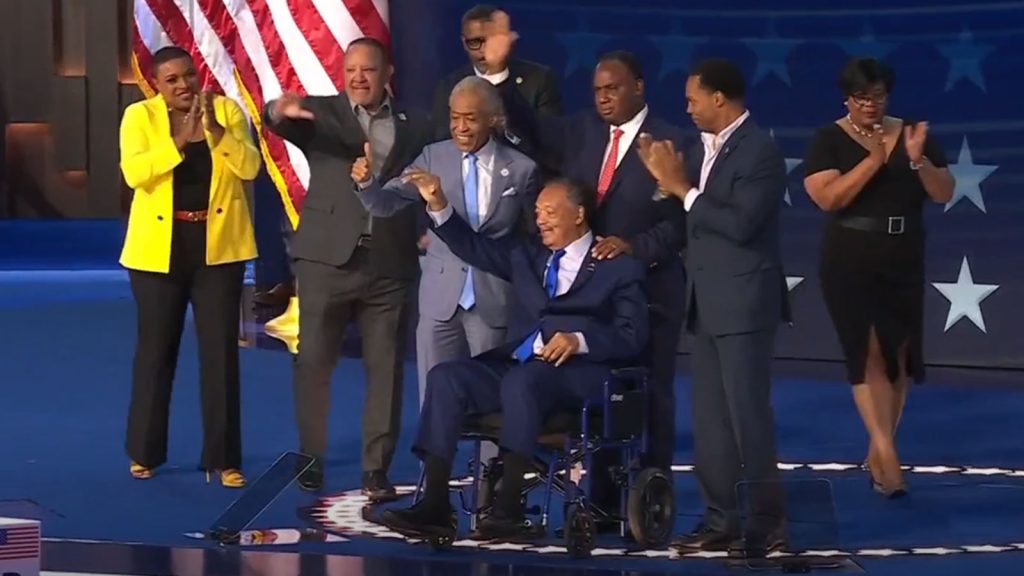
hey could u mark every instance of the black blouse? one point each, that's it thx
(192, 178)
(895, 190)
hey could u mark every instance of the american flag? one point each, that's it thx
(19, 543)
(253, 50)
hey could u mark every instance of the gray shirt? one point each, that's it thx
(379, 128)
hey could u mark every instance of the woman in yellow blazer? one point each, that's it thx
(186, 155)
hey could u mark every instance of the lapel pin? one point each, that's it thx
(401, 116)
(519, 79)
(591, 267)
(504, 171)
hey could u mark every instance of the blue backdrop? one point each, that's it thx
(957, 66)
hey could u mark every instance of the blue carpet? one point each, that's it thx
(67, 344)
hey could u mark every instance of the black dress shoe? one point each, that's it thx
(503, 528)
(377, 487)
(421, 521)
(756, 546)
(705, 539)
(312, 479)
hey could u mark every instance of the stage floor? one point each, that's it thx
(67, 342)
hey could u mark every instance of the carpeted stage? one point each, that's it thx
(67, 340)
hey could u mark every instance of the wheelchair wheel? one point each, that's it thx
(580, 532)
(651, 508)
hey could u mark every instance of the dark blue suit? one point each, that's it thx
(656, 230)
(606, 303)
(736, 298)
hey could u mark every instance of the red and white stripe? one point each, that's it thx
(254, 50)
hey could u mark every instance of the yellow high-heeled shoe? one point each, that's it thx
(230, 478)
(140, 472)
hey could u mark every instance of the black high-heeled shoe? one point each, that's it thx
(890, 493)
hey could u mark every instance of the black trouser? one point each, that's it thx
(329, 298)
(215, 293)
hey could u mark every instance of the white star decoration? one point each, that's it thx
(969, 177)
(791, 163)
(793, 282)
(772, 52)
(965, 297)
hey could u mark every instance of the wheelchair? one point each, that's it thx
(615, 422)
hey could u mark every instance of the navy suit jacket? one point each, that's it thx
(656, 229)
(606, 302)
(737, 284)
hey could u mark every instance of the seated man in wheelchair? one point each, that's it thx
(573, 320)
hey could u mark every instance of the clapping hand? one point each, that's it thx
(429, 187)
(210, 122)
(189, 128)
(665, 164)
(914, 138)
(361, 171)
(560, 348)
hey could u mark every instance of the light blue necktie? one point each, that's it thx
(525, 350)
(469, 189)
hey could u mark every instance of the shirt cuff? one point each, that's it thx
(583, 343)
(494, 78)
(441, 216)
(690, 198)
(365, 185)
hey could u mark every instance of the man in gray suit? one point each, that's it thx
(351, 266)
(737, 297)
(492, 187)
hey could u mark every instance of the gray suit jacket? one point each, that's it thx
(514, 190)
(332, 218)
(736, 283)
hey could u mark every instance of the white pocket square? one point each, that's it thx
(510, 192)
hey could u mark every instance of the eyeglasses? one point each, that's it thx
(863, 100)
(473, 43)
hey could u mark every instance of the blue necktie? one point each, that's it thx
(469, 188)
(525, 350)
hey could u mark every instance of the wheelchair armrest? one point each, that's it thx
(630, 373)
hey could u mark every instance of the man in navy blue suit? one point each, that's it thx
(573, 319)
(600, 150)
(736, 298)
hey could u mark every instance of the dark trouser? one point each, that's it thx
(663, 347)
(215, 293)
(329, 298)
(525, 394)
(733, 427)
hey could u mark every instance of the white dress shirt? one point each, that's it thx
(712, 146)
(495, 79)
(630, 129)
(568, 268)
(484, 176)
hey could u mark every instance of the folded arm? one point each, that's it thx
(754, 200)
(145, 155)
(624, 338)
(236, 147)
(491, 255)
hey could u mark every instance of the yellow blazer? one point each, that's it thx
(148, 159)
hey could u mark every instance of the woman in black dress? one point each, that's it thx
(873, 173)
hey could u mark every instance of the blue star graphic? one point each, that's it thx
(867, 45)
(965, 58)
(772, 52)
(969, 177)
(676, 52)
(583, 49)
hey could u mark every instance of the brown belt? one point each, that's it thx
(187, 216)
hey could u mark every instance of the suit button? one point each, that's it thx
(220, 210)
(159, 217)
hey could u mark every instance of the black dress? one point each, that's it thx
(871, 274)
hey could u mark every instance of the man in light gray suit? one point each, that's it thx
(493, 187)
(736, 298)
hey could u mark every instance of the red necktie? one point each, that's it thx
(608, 170)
